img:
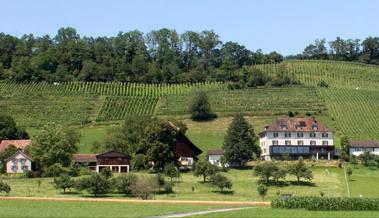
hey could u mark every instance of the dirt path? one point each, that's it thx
(198, 212)
(126, 200)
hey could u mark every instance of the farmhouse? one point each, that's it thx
(184, 149)
(214, 156)
(357, 148)
(296, 137)
(19, 162)
(20, 144)
(116, 161)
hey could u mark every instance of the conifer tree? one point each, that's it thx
(240, 141)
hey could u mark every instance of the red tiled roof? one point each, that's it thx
(21, 143)
(296, 124)
(363, 144)
(216, 152)
(80, 158)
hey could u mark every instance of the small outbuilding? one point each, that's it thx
(215, 155)
(19, 162)
(357, 148)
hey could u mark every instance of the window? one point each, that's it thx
(14, 168)
(324, 142)
(312, 135)
(24, 168)
(287, 134)
(312, 142)
(274, 142)
(300, 142)
(276, 134)
(300, 134)
(314, 126)
(288, 142)
(325, 135)
(283, 127)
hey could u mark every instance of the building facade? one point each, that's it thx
(18, 163)
(357, 148)
(115, 161)
(295, 137)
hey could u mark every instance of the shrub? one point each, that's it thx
(349, 171)
(95, 184)
(139, 162)
(322, 203)
(54, 170)
(106, 172)
(171, 171)
(74, 170)
(262, 191)
(64, 182)
(205, 169)
(323, 84)
(168, 187)
(144, 187)
(4, 187)
(221, 182)
(124, 183)
(29, 174)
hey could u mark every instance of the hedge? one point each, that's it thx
(324, 203)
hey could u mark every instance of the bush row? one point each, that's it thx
(322, 203)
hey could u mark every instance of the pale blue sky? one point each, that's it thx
(286, 26)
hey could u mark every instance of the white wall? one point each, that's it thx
(17, 162)
(267, 139)
(359, 151)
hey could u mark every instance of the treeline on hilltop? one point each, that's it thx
(364, 51)
(163, 56)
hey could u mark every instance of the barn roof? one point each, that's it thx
(363, 144)
(20, 143)
(84, 158)
(113, 154)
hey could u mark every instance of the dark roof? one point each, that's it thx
(363, 144)
(296, 124)
(19, 152)
(182, 137)
(84, 158)
(112, 154)
(20, 143)
(216, 152)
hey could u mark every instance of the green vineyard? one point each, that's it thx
(117, 108)
(261, 101)
(351, 101)
(335, 73)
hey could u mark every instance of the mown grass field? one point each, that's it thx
(364, 181)
(328, 180)
(54, 209)
(267, 212)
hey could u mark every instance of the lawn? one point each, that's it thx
(328, 180)
(91, 209)
(267, 212)
(363, 182)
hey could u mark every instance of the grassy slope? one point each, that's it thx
(285, 213)
(90, 209)
(364, 182)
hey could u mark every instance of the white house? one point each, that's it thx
(19, 162)
(357, 148)
(296, 137)
(214, 156)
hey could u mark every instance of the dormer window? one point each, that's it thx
(314, 126)
(283, 127)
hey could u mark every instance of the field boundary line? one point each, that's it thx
(347, 183)
(121, 200)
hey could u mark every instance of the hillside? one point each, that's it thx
(349, 105)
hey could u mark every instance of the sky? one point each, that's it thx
(286, 26)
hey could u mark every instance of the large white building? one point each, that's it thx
(296, 137)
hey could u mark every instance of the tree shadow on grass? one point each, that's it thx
(302, 183)
(225, 192)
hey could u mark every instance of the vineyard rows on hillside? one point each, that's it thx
(355, 111)
(262, 101)
(335, 73)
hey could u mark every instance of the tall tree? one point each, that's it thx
(54, 144)
(200, 108)
(240, 141)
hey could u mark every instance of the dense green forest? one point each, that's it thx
(160, 56)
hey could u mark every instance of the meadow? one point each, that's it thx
(267, 212)
(52, 209)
